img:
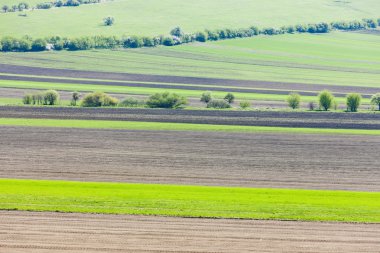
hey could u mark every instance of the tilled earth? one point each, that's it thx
(57, 232)
(195, 158)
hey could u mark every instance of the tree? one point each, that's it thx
(206, 97)
(14, 8)
(218, 104)
(98, 99)
(201, 37)
(75, 96)
(353, 101)
(325, 99)
(133, 42)
(168, 41)
(375, 100)
(5, 8)
(39, 45)
(51, 97)
(294, 100)
(108, 21)
(166, 100)
(245, 104)
(177, 31)
(229, 98)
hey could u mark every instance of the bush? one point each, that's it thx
(27, 99)
(98, 99)
(133, 42)
(353, 101)
(168, 41)
(245, 104)
(371, 23)
(39, 45)
(148, 42)
(166, 100)
(105, 42)
(201, 37)
(375, 100)
(22, 45)
(294, 100)
(177, 31)
(131, 102)
(229, 98)
(108, 21)
(46, 5)
(325, 99)
(218, 104)
(206, 97)
(51, 97)
(83, 43)
(212, 35)
(72, 3)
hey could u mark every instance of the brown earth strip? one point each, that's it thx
(246, 118)
(268, 160)
(24, 70)
(58, 233)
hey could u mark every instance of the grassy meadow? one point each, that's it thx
(189, 201)
(152, 17)
(161, 126)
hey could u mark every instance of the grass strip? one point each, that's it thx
(162, 126)
(189, 201)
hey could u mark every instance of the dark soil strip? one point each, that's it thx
(13, 69)
(246, 118)
(269, 160)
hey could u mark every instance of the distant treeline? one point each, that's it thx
(47, 5)
(177, 37)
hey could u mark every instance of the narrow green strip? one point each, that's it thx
(189, 201)
(160, 126)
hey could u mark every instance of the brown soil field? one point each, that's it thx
(247, 118)
(57, 232)
(192, 158)
(46, 72)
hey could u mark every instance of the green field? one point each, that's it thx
(189, 201)
(152, 17)
(158, 126)
(337, 58)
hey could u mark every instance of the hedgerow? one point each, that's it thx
(177, 36)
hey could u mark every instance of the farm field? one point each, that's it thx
(43, 232)
(150, 17)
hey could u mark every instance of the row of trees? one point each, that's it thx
(327, 101)
(177, 36)
(47, 5)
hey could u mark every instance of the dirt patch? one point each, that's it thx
(57, 232)
(245, 118)
(13, 69)
(192, 158)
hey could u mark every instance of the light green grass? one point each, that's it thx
(159, 126)
(189, 201)
(152, 17)
(346, 59)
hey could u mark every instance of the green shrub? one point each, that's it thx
(230, 98)
(375, 100)
(98, 99)
(133, 42)
(83, 43)
(166, 100)
(51, 97)
(206, 97)
(218, 104)
(22, 45)
(108, 21)
(148, 42)
(294, 100)
(245, 104)
(177, 31)
(131, 102)
(168, 41)
(325, 99)
(353, 101)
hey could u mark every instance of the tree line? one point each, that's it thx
(326, 100)
(47, 5)
(177, 36)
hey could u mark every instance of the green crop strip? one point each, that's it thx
(189, 201)
(160, 126)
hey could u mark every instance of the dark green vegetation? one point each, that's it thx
(8, 44)
(189, 201)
